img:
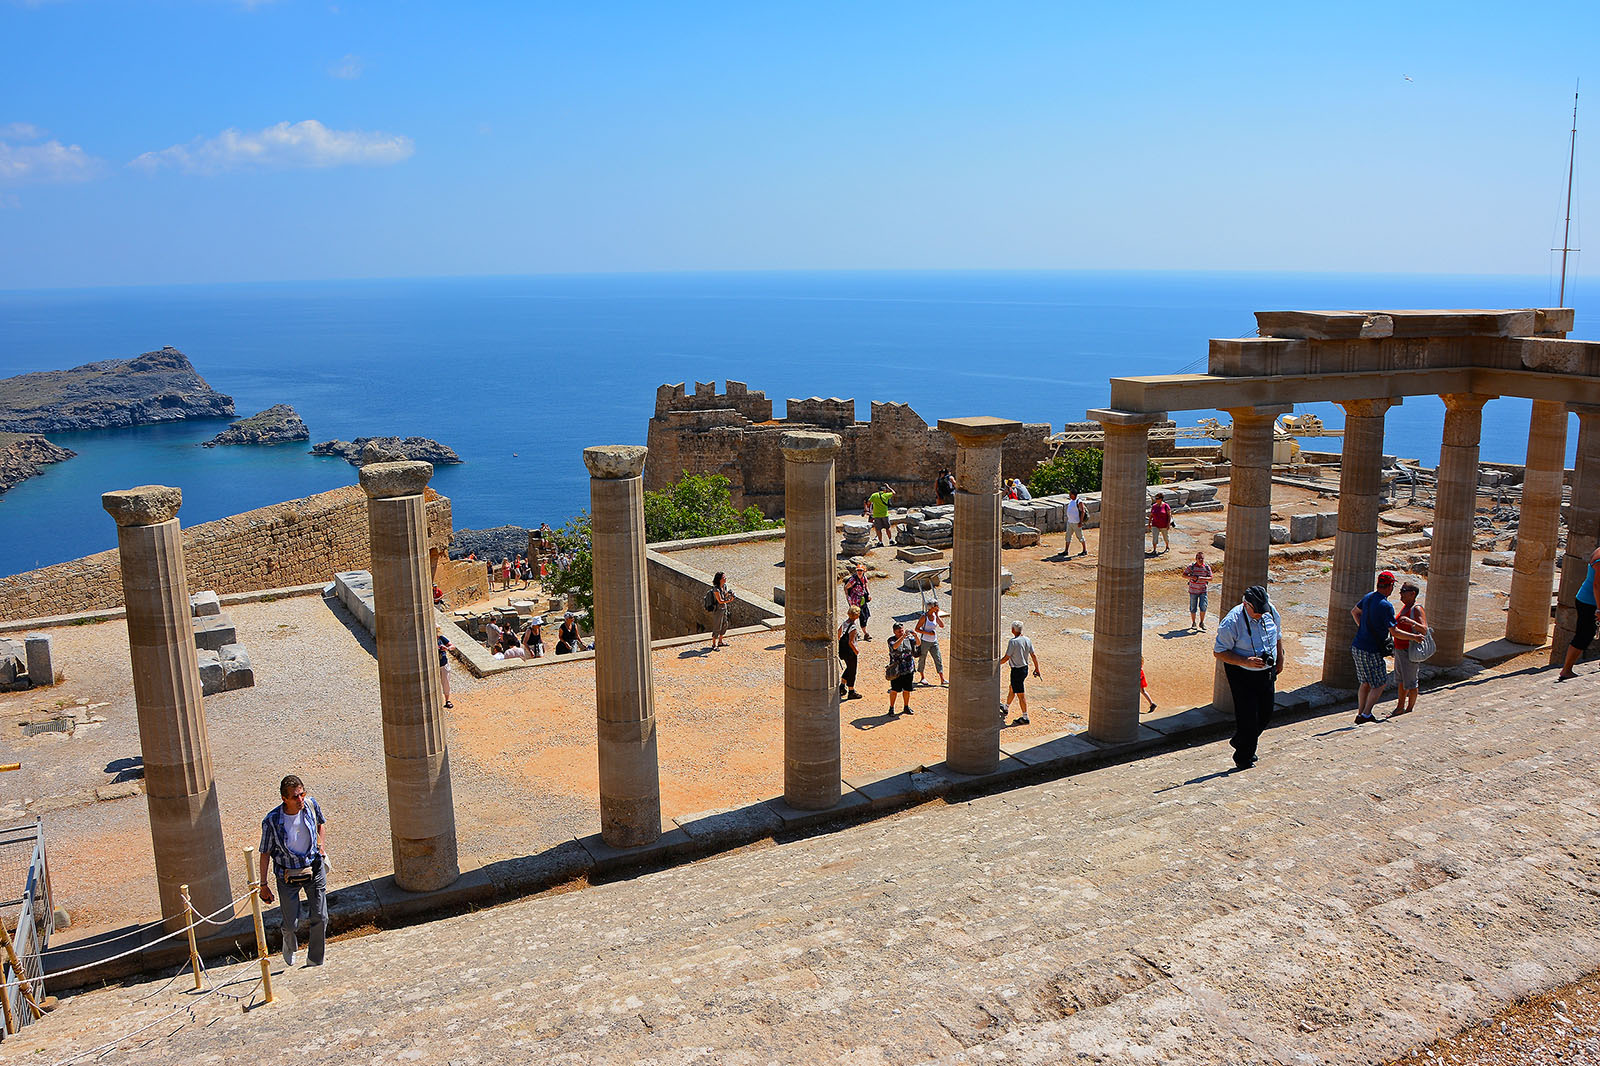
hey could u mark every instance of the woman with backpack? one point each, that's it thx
(849, 655)
(902, 668)
(718, 601)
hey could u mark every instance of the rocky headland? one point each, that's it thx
(154, 387)
(500, 542)
(364, 450)
(278, 424)
(23, 454)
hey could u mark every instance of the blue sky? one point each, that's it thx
(213, 140)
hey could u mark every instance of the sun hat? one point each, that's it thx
(1256, 597)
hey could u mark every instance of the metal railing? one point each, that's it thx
(26, 922)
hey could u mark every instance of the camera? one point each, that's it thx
(1268, 659)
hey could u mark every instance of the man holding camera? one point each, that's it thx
(292, 836)
(1250, 647)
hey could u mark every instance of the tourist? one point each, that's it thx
(927, 630)
(858, 595)
(533, 638)
(294, 839)
(1019, 491)
(849, 655)
(1410, 624)
(1374, 617)
(568, 639)
(1199, 576)
(511, 647)
(721, 611)
(445, 648)
(488, 565)
(877, 507)
(1250, 647)
(1144, 688)
(438, 596)
(1019, 653)
(902, 666)
(1583, 632)
(505, 572)
(493, 634)
(1160, 524)
(944, 487)
(1076, 513)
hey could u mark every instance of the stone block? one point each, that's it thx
(731, 827)
(212, 673)
(1015, 511)
(1303, 527)
(41, 663)
(793, 818)
(1018, 536)
(1279, 534)
(1327, 524)
(778, 595)
(919, 554)
(205, 603)
(237, 672)
(1005, 579)
(211, 632)
(939, 510)
(1200, 492)
(1219, 539)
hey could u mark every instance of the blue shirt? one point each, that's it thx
(1586, 593)
(275, 835)
(1249, 637)
(1377, 618)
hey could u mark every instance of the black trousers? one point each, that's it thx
(850, 660)
(1253, 694)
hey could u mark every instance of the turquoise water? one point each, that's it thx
(520, 374)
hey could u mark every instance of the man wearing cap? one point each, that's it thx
(1374, 617)
(878, 508)
(1249, 646)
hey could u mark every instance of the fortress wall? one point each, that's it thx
(753, 405)
(299, 542)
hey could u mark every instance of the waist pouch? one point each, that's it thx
(304, 875)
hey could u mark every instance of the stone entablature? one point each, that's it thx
(734, 434)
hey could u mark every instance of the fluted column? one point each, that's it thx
(1583, 528)
(416, 757)
(1538, 525)
(1249, 536)
(811, 763)
(972, 738)
(625, 701)
(1355, 549)
(1119, 582)
(1454, 507)
(180, 791)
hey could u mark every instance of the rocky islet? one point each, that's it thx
(278, 424)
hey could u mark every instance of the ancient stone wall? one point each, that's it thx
(462, 581)
(690, 433)
(295, 543)
(678, 595)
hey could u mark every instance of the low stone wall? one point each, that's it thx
(298, 542)
(678, 595)
(462, 581)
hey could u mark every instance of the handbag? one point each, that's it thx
(1422, 649)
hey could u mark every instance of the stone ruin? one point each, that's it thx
(224, 664)
(26, 663)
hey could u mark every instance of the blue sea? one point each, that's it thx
(520, 374)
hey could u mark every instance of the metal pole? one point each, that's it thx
(194, 952)
(255, 911)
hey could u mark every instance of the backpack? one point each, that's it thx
(711, 600)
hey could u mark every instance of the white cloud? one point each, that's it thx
(21, 131)
(288, 145)
(349, 68)
(45, 163)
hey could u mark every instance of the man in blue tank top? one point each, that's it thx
(1583, 634)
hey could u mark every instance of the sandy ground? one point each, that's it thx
(522, 744)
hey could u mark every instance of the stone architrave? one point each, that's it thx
(1455, 505)
(972, 738)
(1119, 585)
(1355, 549)
(811, 757)
(1583, 529)
(625, 708)
(180, 790)
(1249, 532)
(1538, 525)
(422, 821)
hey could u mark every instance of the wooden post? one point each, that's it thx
(261, 932)
(194, 952)
(22, 982)
(5, 1002)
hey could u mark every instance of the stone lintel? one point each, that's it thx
(1112, 418)
(1325, 325)
(614, 462)
(382, 481)
(1260, 410)
(1409, 324)
(980, 429)
(1553, 319)
(1584, 410)
(146, 505)
(809, 446)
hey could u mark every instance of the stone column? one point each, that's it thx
(181, 793)
(1119, 584)
(422, 819)
(1454, 506)
(625, 700)
(1355, 549)
(1583, 528)
(811, 763)
(1538, 525)
(972, 737)
(1249, 534)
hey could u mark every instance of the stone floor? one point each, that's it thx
(1359, 892)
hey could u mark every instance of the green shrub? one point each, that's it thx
(1078, 469)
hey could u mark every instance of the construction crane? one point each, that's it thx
(1284, 431)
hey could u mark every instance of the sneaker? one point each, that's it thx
(854, 695)
(908, 709)
(1202, 627)
(288, 960)
(448, 704)
(1360, 718)
(1023, 720)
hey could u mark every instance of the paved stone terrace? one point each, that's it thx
(1359, 892)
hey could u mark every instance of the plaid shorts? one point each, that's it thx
(1370, 667)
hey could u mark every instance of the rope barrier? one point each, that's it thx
(53, 974)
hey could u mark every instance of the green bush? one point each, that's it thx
(1080, 469)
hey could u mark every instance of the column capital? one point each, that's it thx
(1112, 420)
(1465, 401)
(383, 481)
(982, 429)
(1265, 410)
(1374, 408)
(1584, 410)
(614, 462)
(147, 505)
(809, 446)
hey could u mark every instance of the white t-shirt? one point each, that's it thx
(298, 836)
(1075, 512)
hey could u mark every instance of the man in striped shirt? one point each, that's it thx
(1198, 574)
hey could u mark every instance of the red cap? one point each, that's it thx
(1386, 578)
